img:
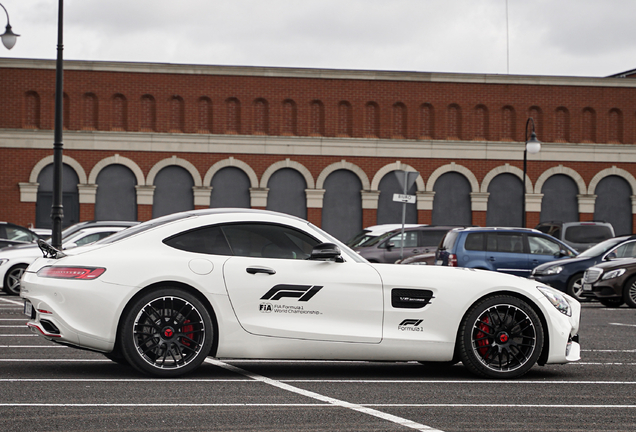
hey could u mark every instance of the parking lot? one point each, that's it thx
(44, 386)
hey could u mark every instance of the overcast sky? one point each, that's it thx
(535, 37)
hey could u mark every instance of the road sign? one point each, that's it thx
(408, 199)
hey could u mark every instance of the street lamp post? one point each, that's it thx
(533, 145)
(57, 212)
(8, 37)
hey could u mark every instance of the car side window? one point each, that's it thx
(626, 250)
(91, 238)
(410, 239)
(504, 242)
(17, 234)
(268, 241)
(474, 241)
(543, 246)
(208, 240)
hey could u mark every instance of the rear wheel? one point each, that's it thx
(629, 293)
(167, 333)
(500, 337)
(12, 279)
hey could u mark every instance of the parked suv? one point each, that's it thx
(372, 232)
(566, 275)
(388, 247)
(508, 250)
(579, 235)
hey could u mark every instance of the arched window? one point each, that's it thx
(372, 120)
(204, 108)
(508, 124)
(177, 114)
(615, 126)
(562, 125)
(287, 193)
(505, 200)
(233, 110)
(454, 122)
(230, 188)
(345, 119)
(588, 126)
(116, 197)
(261, 117)
(399, 120)
(481, 123)
(32, 111)
(342, 204)
(427, 121)
(148, 117)
(90, 114)
(290, 118)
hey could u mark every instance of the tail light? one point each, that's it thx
(59, 272)
(452, 260)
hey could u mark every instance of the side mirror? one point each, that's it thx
(390, 245)
(561, 253)
(610, 256)
(326, 252)
(70, 245)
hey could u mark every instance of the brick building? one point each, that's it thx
(142, 140)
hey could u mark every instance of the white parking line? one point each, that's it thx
(15, 302)
(18, 335)
(366, 408)
(611, 351)
(624, 325)
(336, 402)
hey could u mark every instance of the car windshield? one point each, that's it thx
(601, 248)
(448, 240)
(587, 233)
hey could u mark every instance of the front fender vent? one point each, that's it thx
(407, 298)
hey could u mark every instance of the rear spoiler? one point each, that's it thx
(49, 251)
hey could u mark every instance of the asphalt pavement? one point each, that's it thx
(48, 387)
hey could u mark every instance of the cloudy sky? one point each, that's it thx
(519, 37)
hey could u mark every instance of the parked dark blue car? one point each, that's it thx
(508, 250)
(566, 275)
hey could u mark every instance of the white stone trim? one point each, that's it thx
(258, 197)
(231, 162)
(425, 200)
(580, 183)
(343, 164)
(202, 195)
(287, 163)
(370, 199)
(174, 160)
(479, 201)
(145, 194)
(453, 167)
(505, 169)
(287, 72)
(28, 192)
(87, 193)
(314, 197)
(591, 189)
(44, 162)
(586, 203)
(395, 166)
(116, 160)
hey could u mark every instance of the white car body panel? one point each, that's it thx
(350, 318)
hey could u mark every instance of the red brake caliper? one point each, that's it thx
(186, 329)
(480, 334)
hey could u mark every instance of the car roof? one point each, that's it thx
(489, 229)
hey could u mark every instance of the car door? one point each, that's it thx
(276, 291)
(505, 252)
(542, 250)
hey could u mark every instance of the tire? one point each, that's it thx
(612, 302)
(167, 332)
(12, 279)
(500, 337)
(117, 358)
(575, 288)
(629, 293)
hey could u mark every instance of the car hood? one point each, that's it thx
(564, 262)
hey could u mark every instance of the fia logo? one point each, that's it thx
(265, 307)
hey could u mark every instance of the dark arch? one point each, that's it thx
(173, 192)
(559, 199)
(451, 205)
(505, 201)
(287, 193)
(230, 188)
(116, 197)
(342, 204)
(70, 197)
(614, 204)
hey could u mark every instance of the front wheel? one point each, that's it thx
(12, 279)
(167, 333)
(629, 293)
(500, 337)
(575, 288)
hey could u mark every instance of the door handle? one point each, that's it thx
(491, 259)
(254, 270)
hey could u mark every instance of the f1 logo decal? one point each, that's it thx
(302, 292)
(413, 322)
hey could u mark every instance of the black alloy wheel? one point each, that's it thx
(500, 337)
(629, 293)
(12, 279)
(167, 333)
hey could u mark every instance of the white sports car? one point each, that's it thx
(254, 284)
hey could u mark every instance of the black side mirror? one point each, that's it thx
(561, 253)
(389, 245)
(610, 256)
(326, 252)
